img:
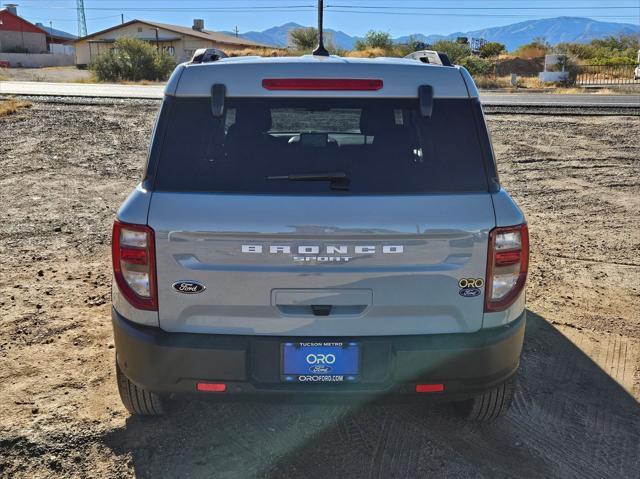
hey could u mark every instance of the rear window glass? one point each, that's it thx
(320, 146)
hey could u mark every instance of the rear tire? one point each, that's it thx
(137, 400)
(490, 405)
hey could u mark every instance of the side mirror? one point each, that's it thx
(218, 94)
(425, 95)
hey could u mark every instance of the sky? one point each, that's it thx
(355, 17)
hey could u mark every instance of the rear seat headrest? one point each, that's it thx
(376, 120)
(254, 119)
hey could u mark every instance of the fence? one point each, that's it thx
(606, 75)
(37, 60)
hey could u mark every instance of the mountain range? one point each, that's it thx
(553, 30)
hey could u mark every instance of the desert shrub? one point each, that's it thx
(454, 50)
(375, 39)
(477, 66)
(603, 51)
(491, 49)
(412, 44)
(305, 38)
(132, 60)
(537, 48)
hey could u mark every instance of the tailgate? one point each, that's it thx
(320, 266)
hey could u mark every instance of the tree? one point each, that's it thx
(304, 38)
(375, 39)
(454, 50)
(491, 49)
(134, 60)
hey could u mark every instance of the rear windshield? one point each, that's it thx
(320, 146)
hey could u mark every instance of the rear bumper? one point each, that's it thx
(168, 363)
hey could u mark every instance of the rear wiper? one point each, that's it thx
(339, 180)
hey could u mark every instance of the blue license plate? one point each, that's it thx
(320, 362)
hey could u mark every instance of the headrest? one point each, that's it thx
(254, 119)
(374, 120)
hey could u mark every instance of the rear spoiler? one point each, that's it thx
(430, 56)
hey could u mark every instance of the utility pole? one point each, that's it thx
(157, 41)
(236, 30)
(82, 20)
(122, 18)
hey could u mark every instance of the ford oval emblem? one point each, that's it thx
(469, 292)
(189, 287)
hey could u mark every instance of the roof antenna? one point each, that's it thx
(320, 50)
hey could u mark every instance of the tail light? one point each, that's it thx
(507, 263)
(134, 264)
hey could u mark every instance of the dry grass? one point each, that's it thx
(9, 107)
(94, 79)
(494, 82)
(368, 53)
(592, 91)
(89, 79)
(261, 52)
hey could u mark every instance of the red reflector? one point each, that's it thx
(212, 387)
(429, 388)
(505, 258)
(351, 84)
(133, 255)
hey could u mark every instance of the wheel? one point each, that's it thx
(138, 400)
(490, 405)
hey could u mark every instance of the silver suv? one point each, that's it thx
(320, 226)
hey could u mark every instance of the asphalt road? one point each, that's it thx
(156, 91)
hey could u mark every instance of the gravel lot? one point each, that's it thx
(66, 168)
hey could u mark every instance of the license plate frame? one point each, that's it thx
(320, 362)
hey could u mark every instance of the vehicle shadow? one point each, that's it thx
(569, 419)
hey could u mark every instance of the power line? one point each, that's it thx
(617, 7)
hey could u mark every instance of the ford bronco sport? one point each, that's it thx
(320, 225)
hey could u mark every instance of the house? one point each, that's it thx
(179, 42)
(18, 35)
(59, 41)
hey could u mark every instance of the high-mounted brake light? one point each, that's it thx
(336, 84)
(134, 264)
(507, 265)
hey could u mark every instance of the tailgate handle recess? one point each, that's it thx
(321, 309)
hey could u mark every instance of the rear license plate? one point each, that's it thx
(320, 362)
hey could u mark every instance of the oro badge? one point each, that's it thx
(470, 287)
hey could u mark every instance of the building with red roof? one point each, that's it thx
(18, 35)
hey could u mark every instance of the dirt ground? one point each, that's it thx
(64, 169)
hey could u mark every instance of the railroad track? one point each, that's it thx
(549, 109)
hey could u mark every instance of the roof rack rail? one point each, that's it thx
(206, 55)
(430, 56)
